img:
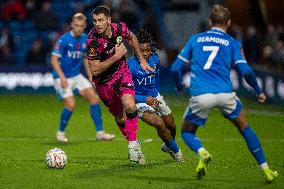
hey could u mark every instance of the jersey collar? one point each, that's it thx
(218, 29)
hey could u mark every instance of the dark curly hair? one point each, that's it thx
(144, 37)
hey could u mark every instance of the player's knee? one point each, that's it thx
(131, 107)
(93, 99)
(189, 127)
(70, 105)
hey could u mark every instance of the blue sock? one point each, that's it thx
(254, 145)
(191, 140)
(173, 146)
(64, 118)
(96, 115)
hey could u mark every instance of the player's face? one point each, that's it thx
(101, 22)
(145, 49)
(78, 27)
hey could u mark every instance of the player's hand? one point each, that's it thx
(145, 66)
(151, 101)
(120, 51)
(63, 82)
(261, 98)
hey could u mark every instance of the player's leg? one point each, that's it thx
(195, 116)
(170, 123)
(96, 114)
(131, 121)
(237, 117)
(167, 116)
(120, 121)
(131, 128)
(69, 105)
(254, 146)
(65, 94)
(170, 146)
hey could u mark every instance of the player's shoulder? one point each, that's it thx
(65, 36)
(193, 37)
(93, 32)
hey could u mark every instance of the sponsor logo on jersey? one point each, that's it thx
(118, 40)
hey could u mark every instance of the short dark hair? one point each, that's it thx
(220, 15)
(101, 10)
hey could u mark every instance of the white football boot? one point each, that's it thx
(178, 157)
(102, 136)
(135, 154)
(60, 136)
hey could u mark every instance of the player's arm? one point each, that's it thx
(133, 41)
(87, 68)
(181, 60)
(250, 78)
(55, 65)
(97, 66)
(244, 69)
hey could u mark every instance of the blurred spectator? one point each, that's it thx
(129, 16)
(45, 19)
(271, 37)
(31, 7)
(65, 28)
(236, 31)
(6, 56)
(251, 45)
(6, 38)
(13, 9)
(37, 53)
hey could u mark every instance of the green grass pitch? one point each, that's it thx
(27, 131)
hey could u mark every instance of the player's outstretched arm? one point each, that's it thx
(135, 45)
(55, 65)
(97, 67)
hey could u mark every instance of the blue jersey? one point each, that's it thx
(71, 50)
(146, 84)
(212, 55)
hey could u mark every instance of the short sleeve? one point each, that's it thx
(125, 32)
(93, 52)
(59, 47)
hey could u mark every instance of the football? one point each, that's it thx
(56, 158)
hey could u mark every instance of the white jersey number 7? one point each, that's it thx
(214, 50)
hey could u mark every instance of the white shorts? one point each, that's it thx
(162, 109)
(199, 107)
(75, 84)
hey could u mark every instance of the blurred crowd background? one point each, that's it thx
(29, 28)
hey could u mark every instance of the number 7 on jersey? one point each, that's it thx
(214, 50)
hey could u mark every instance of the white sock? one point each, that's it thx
(100, 132)
(132, 144)
(264, 166)
(201, 149)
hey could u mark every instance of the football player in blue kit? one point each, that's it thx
(212, 55)
(152, 108)
(67, 58)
